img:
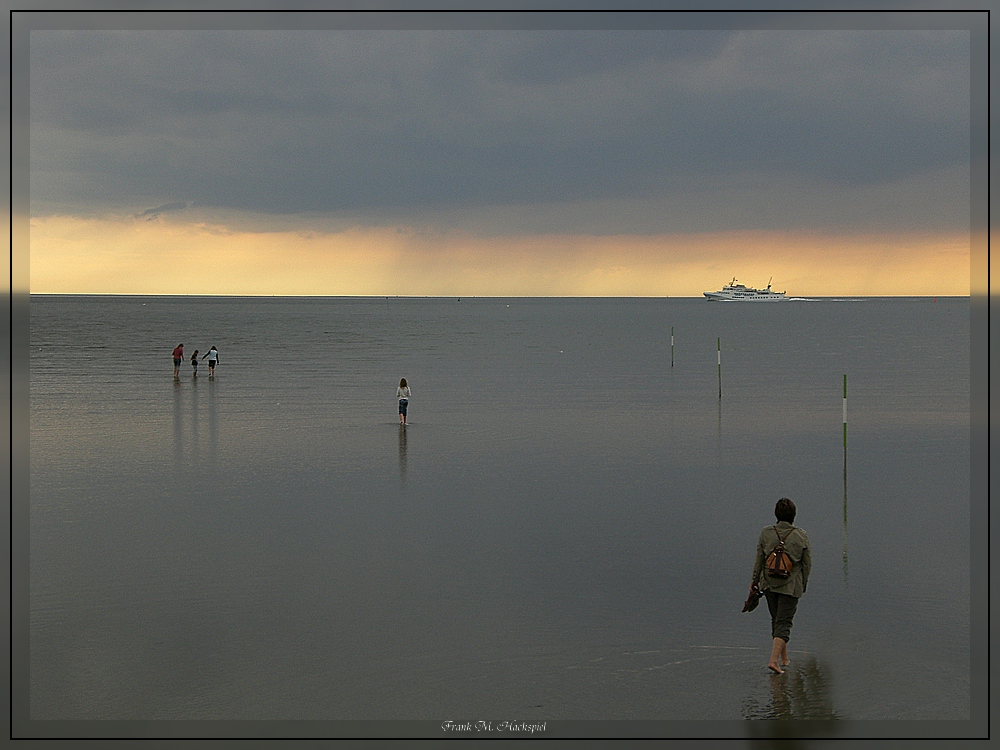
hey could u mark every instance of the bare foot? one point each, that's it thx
(778, 653)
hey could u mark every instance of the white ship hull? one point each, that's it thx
(723, 297)
(735, 292)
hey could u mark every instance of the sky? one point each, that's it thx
(499, 162)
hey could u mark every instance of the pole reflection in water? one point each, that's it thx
(845, 516)
(402, 453)
(718, 434)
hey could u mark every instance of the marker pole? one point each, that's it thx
(718, 344)
(845, 420)
(671, 346)
(845, 479)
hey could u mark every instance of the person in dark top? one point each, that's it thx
(782, 593)
(194, 363)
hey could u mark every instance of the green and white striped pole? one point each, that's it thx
(718, 344)
(671, 346)
(845, 421)
(845, 479)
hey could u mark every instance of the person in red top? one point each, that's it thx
(178, 358)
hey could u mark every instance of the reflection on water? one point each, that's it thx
(178, 427)
(802, 693)
(718, 433)
(845, 513)
(189, 454)
(195, 452)
(555, 524)
(402, 453)
(213, 427)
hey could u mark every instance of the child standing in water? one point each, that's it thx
(403, 394)
(194, 363)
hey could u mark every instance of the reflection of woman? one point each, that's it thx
(403, 394)
(808, 695)
(782, 594)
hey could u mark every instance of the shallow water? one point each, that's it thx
(564, 531)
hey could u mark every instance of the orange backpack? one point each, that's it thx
(779, 562)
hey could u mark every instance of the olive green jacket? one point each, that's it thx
(797, 547)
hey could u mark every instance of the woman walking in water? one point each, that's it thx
(194, 363)
(783, 576)
(213, 360)
(178, 355)
(403, 394)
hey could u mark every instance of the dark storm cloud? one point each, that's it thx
(387, 123)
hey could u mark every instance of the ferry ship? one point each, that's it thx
(736, 292)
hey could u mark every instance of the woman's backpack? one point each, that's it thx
(779, 562)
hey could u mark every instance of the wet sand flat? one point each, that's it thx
(565, 530)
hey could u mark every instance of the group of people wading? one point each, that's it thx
(212, 355)
(782, 588)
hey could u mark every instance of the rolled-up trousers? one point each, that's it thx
(782, 609)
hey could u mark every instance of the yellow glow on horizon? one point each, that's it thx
(70, 255)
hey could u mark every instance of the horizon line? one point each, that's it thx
(479, 296)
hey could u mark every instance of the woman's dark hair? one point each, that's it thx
(784, 510)
(402, 382)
